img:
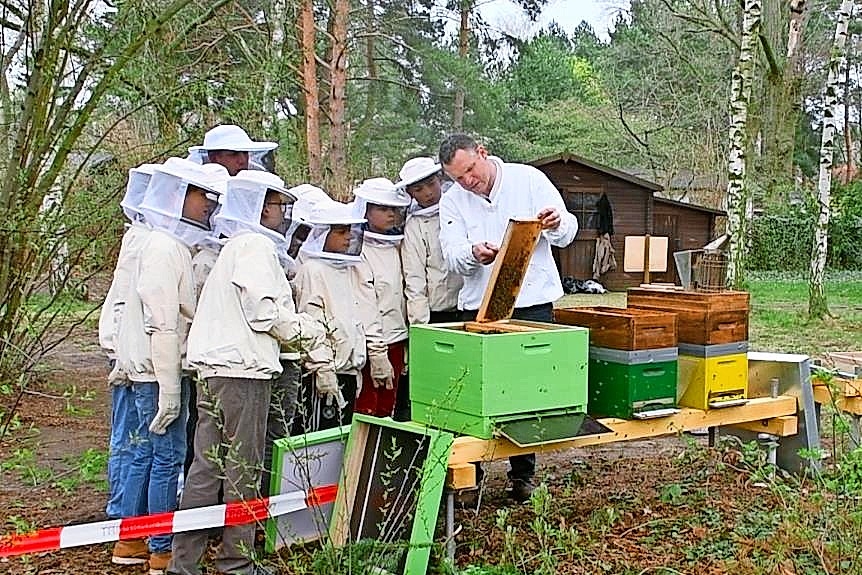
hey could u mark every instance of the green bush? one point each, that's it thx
(782, 237)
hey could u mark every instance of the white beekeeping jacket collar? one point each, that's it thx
(323, 216)
(382, 192)
(139, 179)
(162, 206)
(243, 204)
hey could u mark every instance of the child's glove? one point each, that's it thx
(381, 371)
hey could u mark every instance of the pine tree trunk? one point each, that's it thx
(311, 91)
(337, 99)
(463, 43)
(740, 96)
(817, 306)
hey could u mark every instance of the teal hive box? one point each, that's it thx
(625, 383)
(470, 383)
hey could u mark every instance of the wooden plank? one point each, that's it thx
(461, 476)
(783, 426)
(467, 449)
(497, 327)
(510, 265)
(847, 404)
(339, 527)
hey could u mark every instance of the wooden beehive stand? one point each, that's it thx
(843, 391)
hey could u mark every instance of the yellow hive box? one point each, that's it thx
(706, 382)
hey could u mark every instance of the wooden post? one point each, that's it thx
(646, 259)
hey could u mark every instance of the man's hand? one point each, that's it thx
(550, 218)
(485, 252)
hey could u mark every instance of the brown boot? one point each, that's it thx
(159, 562)
(132, 552)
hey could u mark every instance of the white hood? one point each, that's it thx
(382, 192)
(243, 204)
(322, 217)
(139, 179)
(162, 206)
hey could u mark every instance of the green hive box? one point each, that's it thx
(470, 383)
(625, 383)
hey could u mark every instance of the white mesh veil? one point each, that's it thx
(139, 179)
(243, 205)
(162, 206)
(382, 192)
(323, 217)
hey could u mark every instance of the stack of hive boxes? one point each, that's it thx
(713, 343)
(633, 360)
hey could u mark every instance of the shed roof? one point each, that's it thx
(567, 157)
(689, 206)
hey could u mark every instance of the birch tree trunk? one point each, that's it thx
(817, 306)
(740, 96)
(463, 43)
(338, 99)
(310, 90)
(277, 11)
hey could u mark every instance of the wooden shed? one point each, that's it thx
(637, 211)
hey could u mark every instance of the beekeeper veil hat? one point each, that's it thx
(307, 196)
(244, 203)
(165, 197)
(382, 192)
(139, 179)
(335, 221)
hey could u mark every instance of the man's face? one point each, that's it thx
(427, 192)
(276, 212)
(233, 161)
(472, 170)
(198, 207)
(337, 240)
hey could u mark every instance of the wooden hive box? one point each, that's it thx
(702, 318)
(628, 329)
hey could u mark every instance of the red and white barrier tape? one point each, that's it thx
(238, 513)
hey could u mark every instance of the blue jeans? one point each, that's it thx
(124, 425)
(151, 483)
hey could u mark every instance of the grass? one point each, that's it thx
(779, 313)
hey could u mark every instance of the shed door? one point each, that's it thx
(667, 225)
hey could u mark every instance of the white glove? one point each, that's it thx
(167, 365)
(381, 371)
(326, 383)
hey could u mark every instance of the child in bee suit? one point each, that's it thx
(177, 205)
(431, 289)
(307, 196)
(124, 416)
(245, 318)
(327, 288)
(383, 206)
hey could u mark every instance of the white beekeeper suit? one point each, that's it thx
(159, 310)
(428, 284)
(380, 251)
(326, 288)
(136, 231)
(246, 313)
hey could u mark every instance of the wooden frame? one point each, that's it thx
(357, 516)
(304, 461)
(510, 265)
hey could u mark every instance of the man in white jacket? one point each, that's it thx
(474, 214)
(177, 205)
(245, 320)
(124, 416)
(430, 287)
